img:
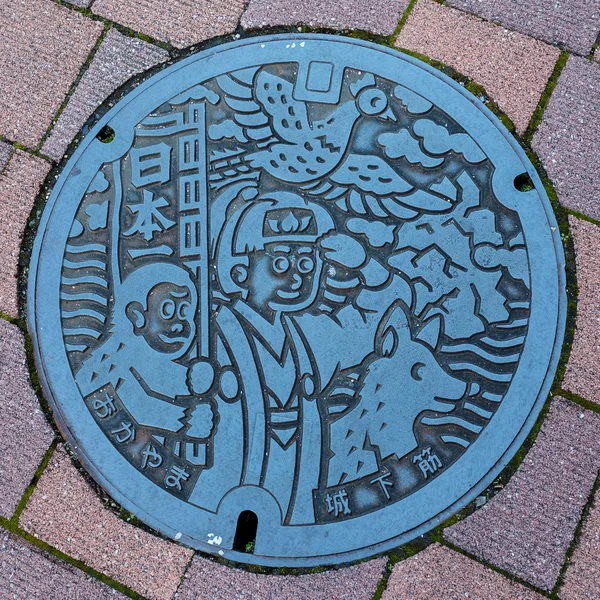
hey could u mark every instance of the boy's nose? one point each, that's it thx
(296, 282)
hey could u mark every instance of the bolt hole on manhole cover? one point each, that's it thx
(297, 299)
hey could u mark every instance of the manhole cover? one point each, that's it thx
(302, 306)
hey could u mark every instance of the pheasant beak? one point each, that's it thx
(388, 115)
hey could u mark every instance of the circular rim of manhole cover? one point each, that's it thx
(424, 406)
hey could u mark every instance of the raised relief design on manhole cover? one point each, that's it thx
(297, 305)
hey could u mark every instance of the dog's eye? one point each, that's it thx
(414, 372)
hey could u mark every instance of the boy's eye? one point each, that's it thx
(306, 264)
(281, 264)
(167, 309)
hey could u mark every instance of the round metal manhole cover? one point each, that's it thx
(297, 311)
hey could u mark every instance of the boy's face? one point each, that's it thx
(169, 318)
(284, 277)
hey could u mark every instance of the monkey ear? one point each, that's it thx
(239, 274)
(430, 332)
(135, 313)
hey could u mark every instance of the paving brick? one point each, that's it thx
(513, 68)
(582, 579)
(568, 139)
(19, 185)
(583, 371)
(118, 59)
(42, 48)
(573, 24)
(27, 573)
(376, 16)
(180, 22)
(527, 528)
(208, 579)
(25, 433)
(6, 151)
(439, 572)
(66, 513)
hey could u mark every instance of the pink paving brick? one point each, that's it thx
(66, 513)
(439, 572)
(118, 59)
(568, 139)
(376, 16)
(527, 528)
(179, 22)
(27, 573)
(25, 433)
(208, 579)
(42, 49)
(514, 69)
(573, 24)
(19, 185)
(582, 579)
(583, 371)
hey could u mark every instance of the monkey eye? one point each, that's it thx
(414, 372)
(167, 309)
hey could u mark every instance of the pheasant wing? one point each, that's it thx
(368, 185)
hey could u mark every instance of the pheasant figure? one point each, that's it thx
(315, 154)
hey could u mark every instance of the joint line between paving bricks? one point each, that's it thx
(544, 100)
(576, 536)
(35, 541)
(34, 481)
(506, 574)
(84, 67)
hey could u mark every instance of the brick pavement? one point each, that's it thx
(179, 22)
(582, 376)
(513, 68)
(66, 513)
(39, 64)
(529, 526)
(568, 139)
(118, 59)
(26, 436)
(20, 183)
(27, 573)
(569, 23)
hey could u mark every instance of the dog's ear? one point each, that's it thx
(430, 332)
(392, 331)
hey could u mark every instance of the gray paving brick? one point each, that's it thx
(573, 24)
(583, 370)
(180, 22)
(66, 513)
(527, 528)
(568, 139)
(25, 433)
(513, 68)
(208, 579)
(377, 16)
(42, 48)
(27, 573)
(439, 572)
(20, 182)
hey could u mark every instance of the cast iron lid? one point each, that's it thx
(297, 311)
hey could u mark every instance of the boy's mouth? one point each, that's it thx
(288, 295)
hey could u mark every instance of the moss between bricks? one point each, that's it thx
(436, 534)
